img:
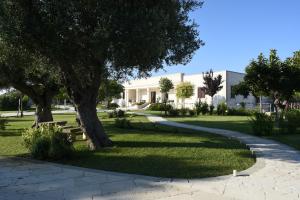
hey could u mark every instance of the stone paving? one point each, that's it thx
(276, 175)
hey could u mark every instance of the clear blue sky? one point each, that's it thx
(235, 31)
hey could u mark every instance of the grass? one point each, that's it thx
(236, 123)
(146, 149)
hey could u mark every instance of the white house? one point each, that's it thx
(147, 90)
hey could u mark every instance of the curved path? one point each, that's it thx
(276, 175)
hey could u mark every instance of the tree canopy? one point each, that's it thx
(110, 89)
(86, 39)
(212, 84)
(184, 90)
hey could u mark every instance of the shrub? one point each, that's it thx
(243, 105)
(173, 112)
(291, 122)
(160, 107)
(123, 123)
(48, 142)
(116, 113)
(262, 124)
(222, 108)
(211, 109)
(183, 111)
(204, 108)
(192, 112)
(238, 112)
(198, 106)
(113, 106)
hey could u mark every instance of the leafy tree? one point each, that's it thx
(184, 90)
(272, 77)
(85, 39)
(212, 84)
(32, 75)
(241, 89)
(165, 86)
(110, 89)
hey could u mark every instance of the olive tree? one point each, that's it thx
(85, 39)
(165, 85)
(30, 74)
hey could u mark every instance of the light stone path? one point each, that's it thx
(276, 175)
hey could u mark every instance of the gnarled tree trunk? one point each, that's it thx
(90, 123)
(43, 113)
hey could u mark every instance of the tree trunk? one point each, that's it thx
(43, 113)
(90, 123)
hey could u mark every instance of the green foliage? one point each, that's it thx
(291, 122)
(183, 111)
(211, 109)
(212, 84)
(110, 89)
(160, 107)
(198, 106)
(173, 112)
(10, 101)
(48, 142)
(165, 86)
(116, 113)
(262, 124)
(239, 112)
(3, 122)
(241, 89)
(123, 123)
(184, 90)
(191, 112)
(222, 108)
(113, 106)
(204, 108)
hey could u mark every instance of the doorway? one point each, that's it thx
(153, 97)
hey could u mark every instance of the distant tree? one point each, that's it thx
(165, 86)
(31, 74)
(184, 90)
(85, 39)
(110, 89)
(212, 84)
(241, 89)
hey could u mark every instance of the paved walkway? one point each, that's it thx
(276, 175)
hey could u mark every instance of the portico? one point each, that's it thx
(141, 95)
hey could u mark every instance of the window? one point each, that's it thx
(231, 92)
(201, 92)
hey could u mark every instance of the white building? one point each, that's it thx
(147, 90)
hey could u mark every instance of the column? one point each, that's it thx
(148, 95)
(137, 96)
(126, 97)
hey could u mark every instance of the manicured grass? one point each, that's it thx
(236, 123)
(146, 149)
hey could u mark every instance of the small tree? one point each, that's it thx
(184, 90)
(165, 86)
(212, 84)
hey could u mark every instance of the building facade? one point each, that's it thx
(146, 91)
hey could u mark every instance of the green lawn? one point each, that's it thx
(147, 149)
(236, 123)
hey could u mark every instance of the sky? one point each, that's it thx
(236, 31)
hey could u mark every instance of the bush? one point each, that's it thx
(48, 142)
(291, 122)
(198, 106)
(222, 108)
(239, 112)
(116, 113)
(204, 108)
(160, 107)
(183, 111)
(211, 109)
(262, 124)
(173, 112)
(10, 101)
(113, 106)
(123, 123)
(192, 112)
